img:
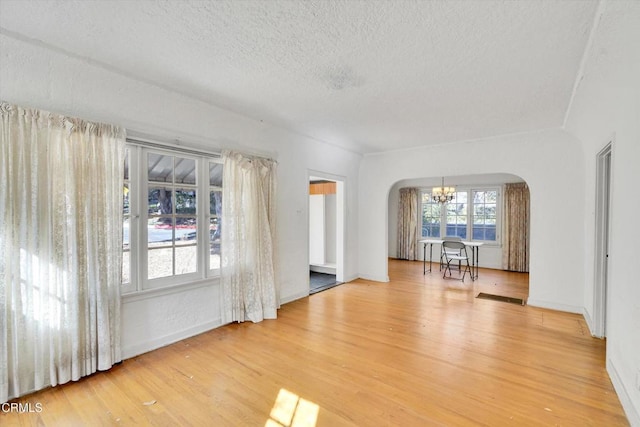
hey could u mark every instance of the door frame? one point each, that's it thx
(602, 234)
(341, 218)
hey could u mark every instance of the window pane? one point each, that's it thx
(490, 232)
(186, 259)
(215, 213)
(126, 267)
(431, 230)
(215, 174)
(185, 171)
(160, 167)
(160, 201)
(160, 263)
(159, 232)
(185, 202)
(215, 203)
(457, 215)
(457, 230)
(484, 214)
(125, 199)
(478, 233)
(126, 165)
(214, 244)
(126, 255)
(186, 231)
(125, 233)
(461, 197)
(174, 243)
(430, 217)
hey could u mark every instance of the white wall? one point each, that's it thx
(551, 164)
(316, 229)
(322, 231)
(35, 76)
(490, 255)
(330, 211)
(606, 106)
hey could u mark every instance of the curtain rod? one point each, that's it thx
(174, 147)
(148, 143)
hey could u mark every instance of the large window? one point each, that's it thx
(431, 216)
(485, 214)
(171, 217)
(457, 215)
(471, 215)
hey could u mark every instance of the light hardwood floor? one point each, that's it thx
(417, 351)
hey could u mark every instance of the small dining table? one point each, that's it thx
(475, 251)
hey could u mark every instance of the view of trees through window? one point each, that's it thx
(472, 214)
(168, 196)
(172, 216)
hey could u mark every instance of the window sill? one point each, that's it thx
(168, 290)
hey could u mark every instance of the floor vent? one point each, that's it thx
(501, 298)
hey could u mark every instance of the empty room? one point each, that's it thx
(159, 220)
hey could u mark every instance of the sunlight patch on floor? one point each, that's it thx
(290, 410)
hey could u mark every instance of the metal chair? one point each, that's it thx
(449, 250)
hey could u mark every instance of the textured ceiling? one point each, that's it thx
(366, 75)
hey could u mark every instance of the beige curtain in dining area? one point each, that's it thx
(515, 230)
(408, 224)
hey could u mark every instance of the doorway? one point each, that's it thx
(326, 232)
(601, 262)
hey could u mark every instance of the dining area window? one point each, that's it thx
(473, 214)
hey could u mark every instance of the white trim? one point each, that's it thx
(583, 61)
(633, 416)
(156, 145)
(604, 161)
(341, 219)
(555, 306)
(133, 296)
(325, 269)
(294, 297)
(146, 346)
(350, 278)
(381, 279)
(587, 318)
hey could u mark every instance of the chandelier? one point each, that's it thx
(443, 194)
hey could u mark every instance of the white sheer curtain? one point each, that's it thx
(248, 273)
(60, 248)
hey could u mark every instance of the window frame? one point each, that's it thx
(139, 184)
(211, 272)
(470, 213)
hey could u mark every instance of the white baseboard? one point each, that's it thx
(291, 298)
(351, 278)
(632, 413)
(146, 346)
(587, 318)
(555, 306)
(322, 269)
(383, 279)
